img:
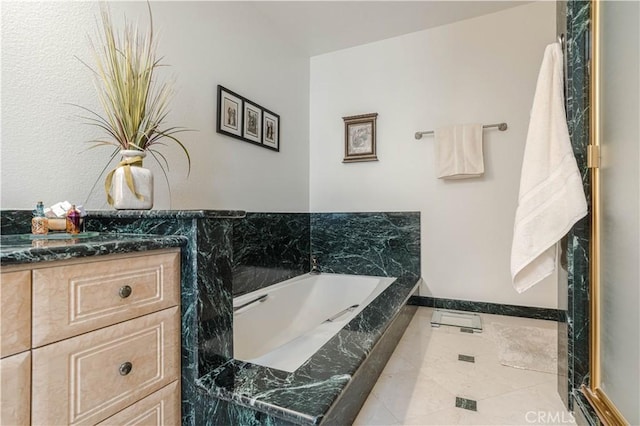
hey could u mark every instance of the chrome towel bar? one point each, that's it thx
(501, 126)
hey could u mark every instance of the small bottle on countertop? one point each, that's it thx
(39, 223)
(73, 220)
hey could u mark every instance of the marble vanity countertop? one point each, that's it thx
(21, 249)
(305, 396)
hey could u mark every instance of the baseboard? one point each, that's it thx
(490, 308)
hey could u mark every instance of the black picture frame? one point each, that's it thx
(270, 130)
(242, 119)
(252, 122)
(230, 109)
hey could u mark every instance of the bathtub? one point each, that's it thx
(283, 325)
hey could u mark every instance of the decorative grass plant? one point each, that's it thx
(134, 103)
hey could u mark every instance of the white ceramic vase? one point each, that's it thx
(123, 197)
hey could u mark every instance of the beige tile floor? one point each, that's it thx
(422, 379)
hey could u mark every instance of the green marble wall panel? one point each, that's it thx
(269, 248)
(380, 244)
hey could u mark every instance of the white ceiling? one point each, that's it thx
(325, 26)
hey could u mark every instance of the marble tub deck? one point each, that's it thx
(308, 394)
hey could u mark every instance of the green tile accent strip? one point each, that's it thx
(466, 358)
(467, 404)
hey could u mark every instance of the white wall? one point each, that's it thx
(483, 69)
(480, 70)
(206, 43)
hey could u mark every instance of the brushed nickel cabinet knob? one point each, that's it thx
(125, 368)
(125, 291)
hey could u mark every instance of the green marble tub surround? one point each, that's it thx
(331, 386)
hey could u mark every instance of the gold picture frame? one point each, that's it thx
(360, 138)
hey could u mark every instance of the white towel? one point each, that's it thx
(551, 196)
(459, 151)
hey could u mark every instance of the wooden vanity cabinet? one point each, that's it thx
(103, 341)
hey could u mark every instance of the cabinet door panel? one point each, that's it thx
(15, 315)
(15, 389)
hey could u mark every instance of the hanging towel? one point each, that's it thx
(551, 196)
(459, 151)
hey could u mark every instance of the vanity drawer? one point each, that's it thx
(161, 408)
(15, 314)
(70, 300)
(85, 379)
(15, 389)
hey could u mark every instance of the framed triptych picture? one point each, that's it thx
(243, 119)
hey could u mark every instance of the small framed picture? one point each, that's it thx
(360, 138)
(271, 130)
(230, 109)
(252, 127)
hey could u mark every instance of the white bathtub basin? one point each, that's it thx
(285, 328)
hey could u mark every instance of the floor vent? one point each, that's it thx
(466, 358)
(467, 404)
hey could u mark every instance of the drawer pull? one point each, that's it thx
(125, 368)
(125, 291)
